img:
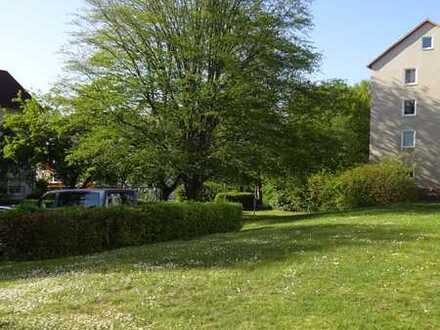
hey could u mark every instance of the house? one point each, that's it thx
(15, 182)
(405, 113)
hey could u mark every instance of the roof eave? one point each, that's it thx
(398, 42)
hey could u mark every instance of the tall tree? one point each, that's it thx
(328, 127)
(186, 81)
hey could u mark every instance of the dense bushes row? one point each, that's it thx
(74, 231)
(378, 184)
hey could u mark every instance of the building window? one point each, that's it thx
(427, 43)
(409, 108)
(408, 139)
(15, 190)
(410, 76)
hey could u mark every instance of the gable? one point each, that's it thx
(9, 90)
(413, 36)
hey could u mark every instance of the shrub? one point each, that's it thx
(74, 231)
(322, 192)
(246, 199)
(287, 194)
(210, 190)
(28, 205)
(379, 184)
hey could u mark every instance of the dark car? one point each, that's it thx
(89, 198)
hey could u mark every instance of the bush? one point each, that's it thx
(287, 194)
(380, 184)
(210, 190)
(322, 192)
(28, 206)
(74, 231)
(246, 199)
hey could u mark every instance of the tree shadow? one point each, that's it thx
(246, 249)
(404, 209)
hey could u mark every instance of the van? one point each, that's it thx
(88, 198)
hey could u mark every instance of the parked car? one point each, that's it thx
(6, 208)
(88, 198)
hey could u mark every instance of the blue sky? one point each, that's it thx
(349, 33)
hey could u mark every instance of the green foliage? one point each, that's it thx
(73, 231)
(27, 206)
(194, 89)
(38, 133)
(288, 194)
(246, 199)
(209, 192)
(323, 192)
(328, 129)
(380, 184)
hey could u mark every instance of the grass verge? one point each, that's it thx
(367, 269)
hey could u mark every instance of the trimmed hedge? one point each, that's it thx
(244, 198)
(76, 231)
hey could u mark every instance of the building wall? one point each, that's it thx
(16, 185)
(389, 91)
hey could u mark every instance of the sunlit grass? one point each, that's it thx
(369, 269)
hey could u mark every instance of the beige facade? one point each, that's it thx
(388, 121)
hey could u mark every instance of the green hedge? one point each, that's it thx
(377, 184)
(243, 198)
(75, 231)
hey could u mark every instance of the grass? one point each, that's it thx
(368, 269)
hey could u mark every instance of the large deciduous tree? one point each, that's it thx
(194, 88)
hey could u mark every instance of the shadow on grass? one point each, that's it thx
(404, 209)
(248, 248)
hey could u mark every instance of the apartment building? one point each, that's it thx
(405, 114)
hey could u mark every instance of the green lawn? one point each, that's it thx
(375, 269)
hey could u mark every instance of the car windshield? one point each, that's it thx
(88, 199)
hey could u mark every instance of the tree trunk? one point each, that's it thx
(165, 193)
(194, 188)
(259, 194)
(167, 188)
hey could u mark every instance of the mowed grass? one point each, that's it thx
(368, 269)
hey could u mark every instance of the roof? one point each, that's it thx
(398, 42)
(9, 90)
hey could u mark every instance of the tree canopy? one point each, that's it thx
(167, 93)
(186, 82)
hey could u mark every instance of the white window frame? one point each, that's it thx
(403, 107)
(402, 139)
(432, 43)
(15, 189)
(416, 77)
